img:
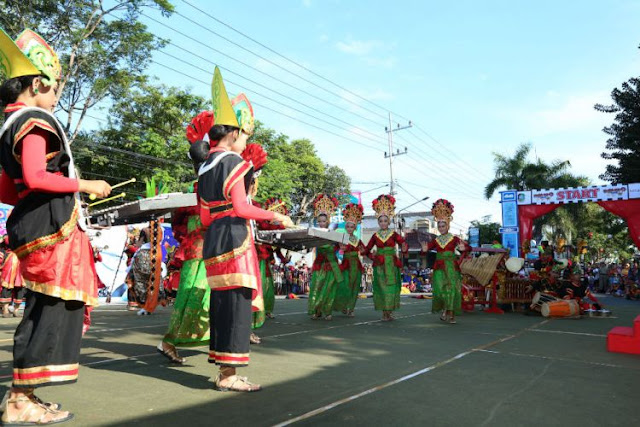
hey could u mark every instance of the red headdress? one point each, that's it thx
(199, 127)
(255, 154)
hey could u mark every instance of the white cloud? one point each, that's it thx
(358, 47)
(574, 113)
(323, 38)
(306, 3)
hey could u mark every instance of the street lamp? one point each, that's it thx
(405, 208)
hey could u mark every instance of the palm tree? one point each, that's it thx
(518, 173)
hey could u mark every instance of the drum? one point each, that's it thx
(540, 298)
(562, 308)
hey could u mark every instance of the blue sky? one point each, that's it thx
(477, 77)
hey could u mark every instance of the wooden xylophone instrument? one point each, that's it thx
(142, 210)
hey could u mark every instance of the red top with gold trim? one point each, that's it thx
(351, 252)
(445, 243)
(55, 255)
(384, 240)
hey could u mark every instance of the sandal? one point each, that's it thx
(452, 321)
(29, 411)
(350, 314)
(443, 316)
(328, 317)
(29, 394)
(171, 354)
(254, 339)
(270, 316)
(233, 387)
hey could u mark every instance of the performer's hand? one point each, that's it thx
(425, 246)
(461, 247)
(98, 187)
(405, 247)
(284, 220)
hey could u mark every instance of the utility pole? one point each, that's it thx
(390, 130)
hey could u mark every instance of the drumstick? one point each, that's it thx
(94, 196)
(276, 206)
(108, 199)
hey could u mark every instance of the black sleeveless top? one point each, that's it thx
(39, 219)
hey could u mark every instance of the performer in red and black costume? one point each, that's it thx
(229, 252)
(12, 289)
(44, 229)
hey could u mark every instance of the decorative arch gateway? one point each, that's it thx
(521, 208)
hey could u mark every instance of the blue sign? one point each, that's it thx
(503, 230)
(510, 241)
(508, 196)
(509, 227)
(5, 210)
(474, 237)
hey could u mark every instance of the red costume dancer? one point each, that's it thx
(229, 252)
(386, 264)
(44, 229)
(12, 289)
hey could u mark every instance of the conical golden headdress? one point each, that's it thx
(28, 55)
(237, 113)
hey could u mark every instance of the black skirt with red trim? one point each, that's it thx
(46, 346)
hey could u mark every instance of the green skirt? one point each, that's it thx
(447, 284)
(387, 282)
(348, 291)
(268, 295)
(322, 295)
(189, 323)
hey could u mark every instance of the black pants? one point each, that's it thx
(230, 323)
(46, 345)
(12, 296)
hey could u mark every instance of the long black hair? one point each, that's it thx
(198, 153)
(12, 88)
(217, 132)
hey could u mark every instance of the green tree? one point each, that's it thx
(623, 145)
(489, 231)
(102, 46)
(519, 173)
(144, 138)
(295, 173)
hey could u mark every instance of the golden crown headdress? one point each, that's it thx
(353, 213)
(324, 205)
(442, 210)
(384, 205)
(276, 205)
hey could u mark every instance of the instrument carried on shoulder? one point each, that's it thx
(561, 309)
(298, 239)
(142, 210)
